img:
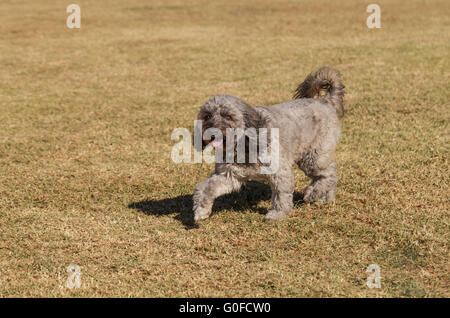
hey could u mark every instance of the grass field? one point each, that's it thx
(86, 176)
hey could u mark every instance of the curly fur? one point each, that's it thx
(309, 131)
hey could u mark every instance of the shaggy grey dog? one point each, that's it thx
(309, 131)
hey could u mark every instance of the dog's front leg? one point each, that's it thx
(282, 185)
(208, 190)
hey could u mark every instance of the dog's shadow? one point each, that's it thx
(247, 198)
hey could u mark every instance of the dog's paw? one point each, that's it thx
(201, 214)
(274, 215)
(313, 194)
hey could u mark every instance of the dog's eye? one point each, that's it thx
(207, 117)
(227, 117)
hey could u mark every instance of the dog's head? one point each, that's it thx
(225, 111)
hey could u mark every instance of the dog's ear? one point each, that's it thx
(254, 118)
(199, 128)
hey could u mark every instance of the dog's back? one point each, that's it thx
(307, 123)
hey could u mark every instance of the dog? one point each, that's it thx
(309, 131)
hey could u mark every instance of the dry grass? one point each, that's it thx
(86, 175)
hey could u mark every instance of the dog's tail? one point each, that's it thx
(324, 79)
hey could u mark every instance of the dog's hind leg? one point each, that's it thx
(208, 190)
(282, 184)
(324, 179)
